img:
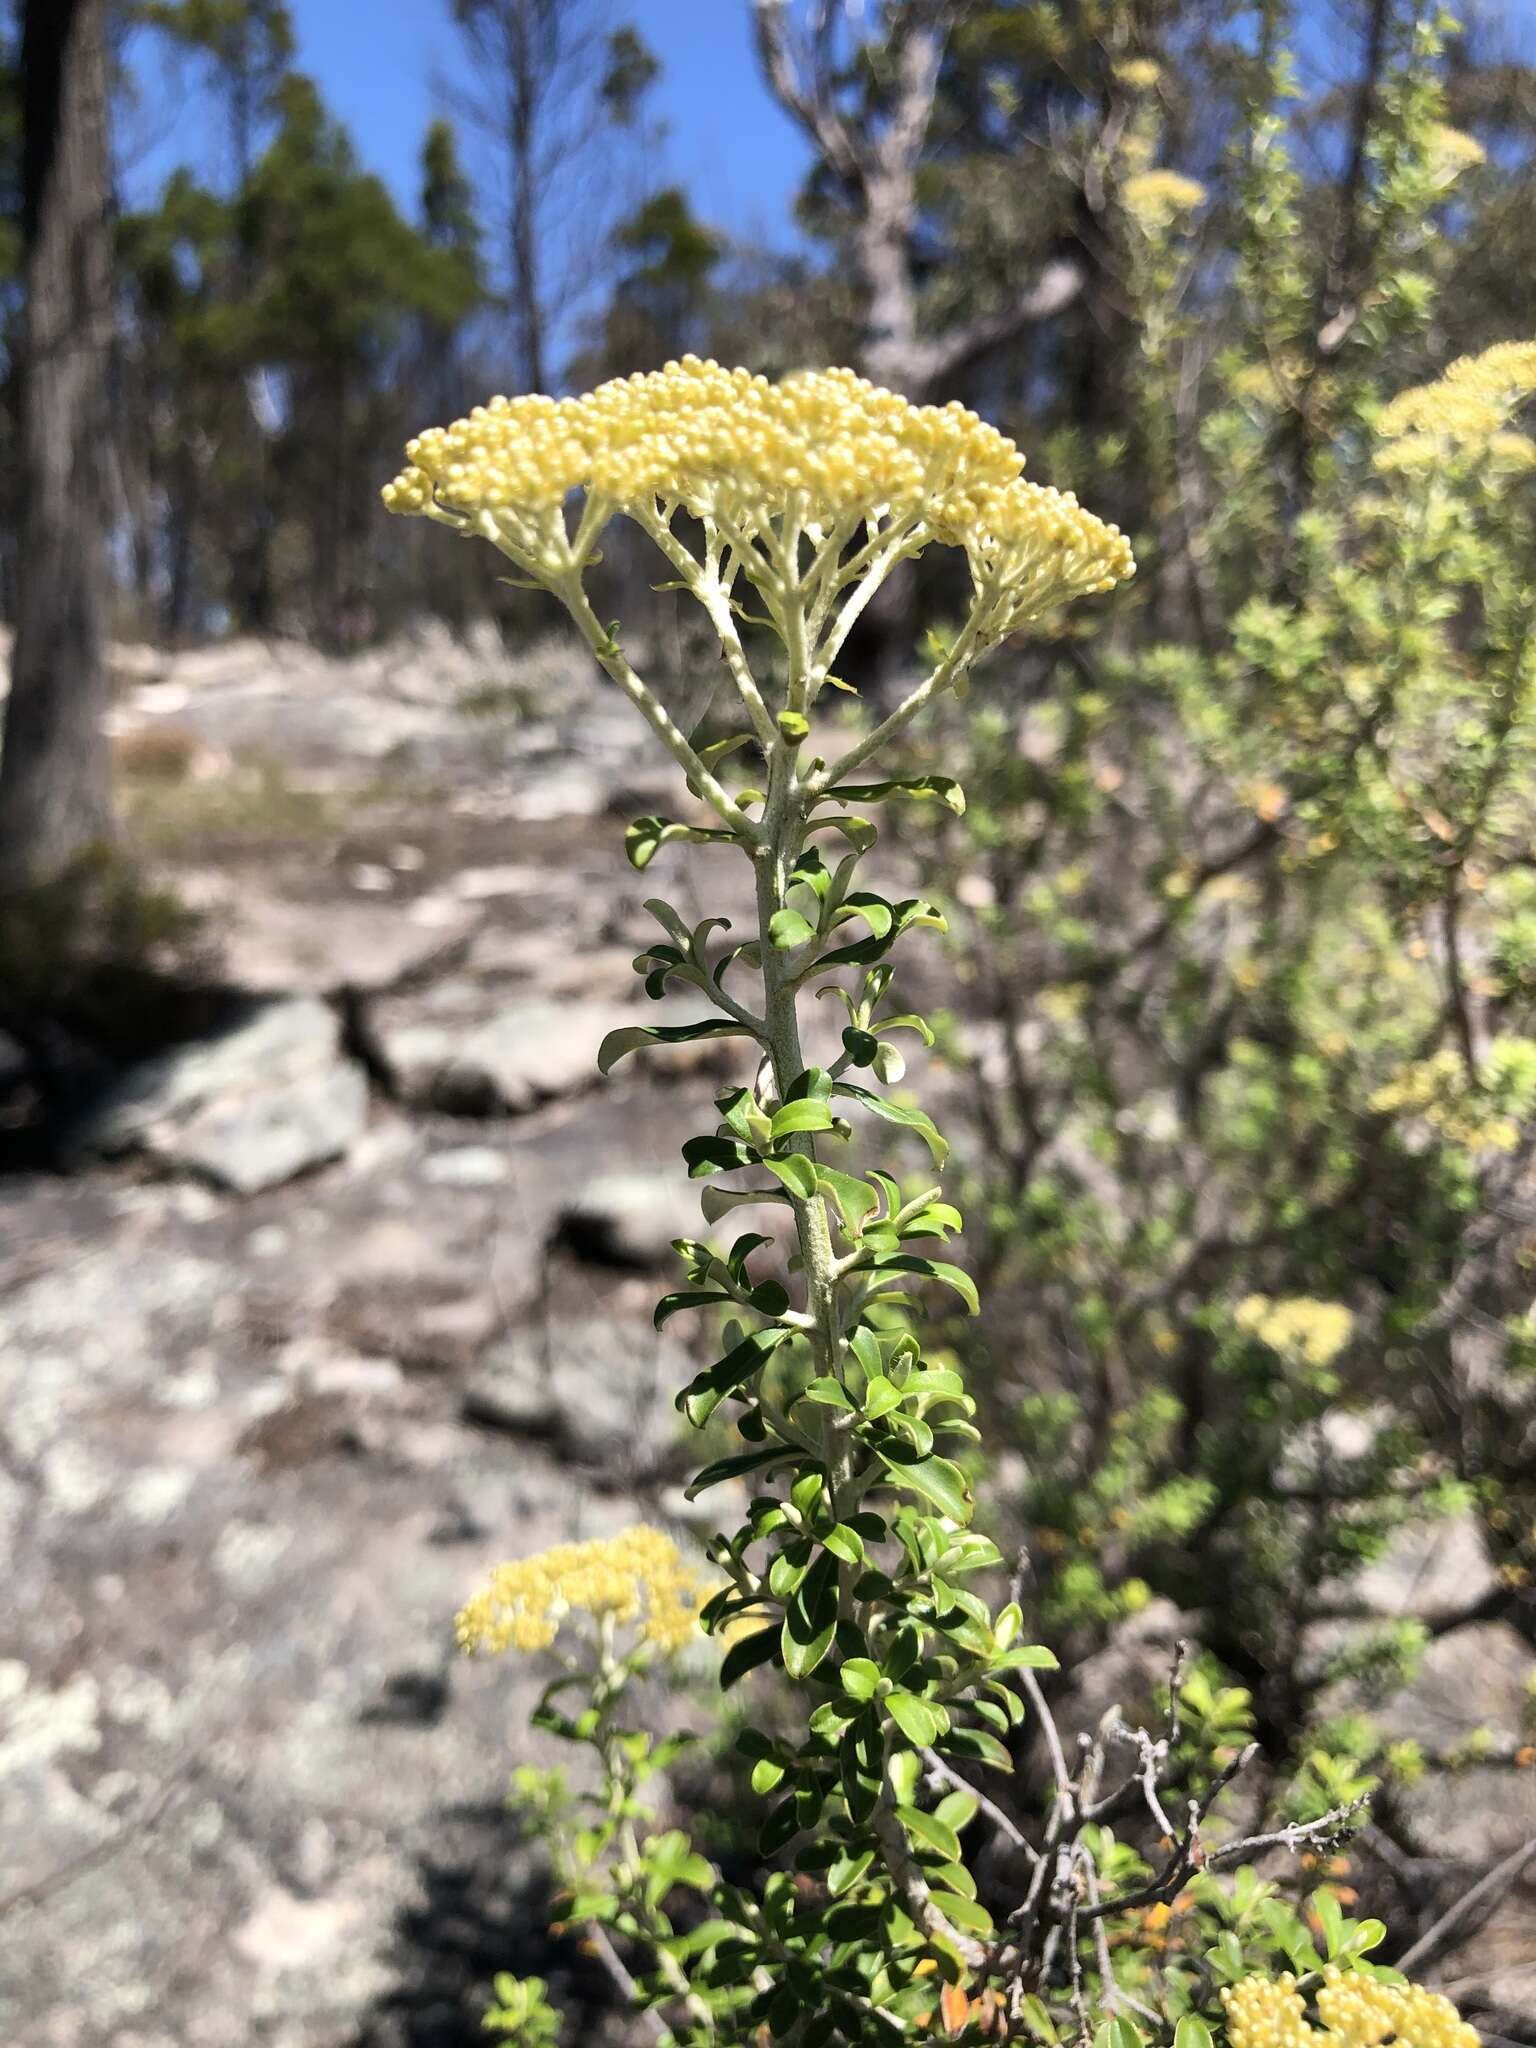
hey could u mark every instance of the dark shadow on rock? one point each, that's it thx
(409, 1699)
(483, 1904)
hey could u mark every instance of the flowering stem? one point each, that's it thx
(610, 658)
(954, 664)
(783, 834)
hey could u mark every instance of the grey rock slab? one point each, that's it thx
(264, 1045)
(518, 1056)
(262, 1139)
(467, 1166)
(600, 1388)
(1432, 1568)
(248, 1108)
(232, 1716)
(1477, 1677)
(321, 948)
(630, 1219)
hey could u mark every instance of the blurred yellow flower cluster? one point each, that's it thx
(1356, 2012)
(822, 452)
(636, 1579)
(1465, 412)
(1437, 1090)
(1453, 151)
(1312, 1332)
(1141, 74)
(1156, 198)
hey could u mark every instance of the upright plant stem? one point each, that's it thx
(783, 831)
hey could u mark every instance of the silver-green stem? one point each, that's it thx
(782, 837)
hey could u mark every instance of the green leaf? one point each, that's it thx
(721, 750)
(964, 1913)
(632, 1037)
(810, 1620)
(916, 788)
(846, 1872)
(714, 1154)
(877, 914)
(904, 1769)
(927, 1828)
(788, 929)
(733, 1468)
(845, 1543)
(865, 1346)
(703, 1394)
(1029, 1657)
(673, 1304)
(1118, 2033)
(958, 1809)
(808, 1115)
(718, 1202)
(978, 1745)
(1193, 2032)
(889, 1065)
(797, 1173)
(881, 1396)
(931, 1269)
(746, 1653)
(859, 832)
(855, 1198)
(936, 1479)
(916, 1719)
(828, 1392)
(859, 1676)
(646, 837)
(893, 1113)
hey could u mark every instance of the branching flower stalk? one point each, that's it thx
(784, 507)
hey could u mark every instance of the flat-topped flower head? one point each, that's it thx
(1156, 198)
(1457, 413)
(1453, 151)
(789, 478)
(637, 1580)
(825, 444)
(1356, 2012)
(1506, 372)
(1464, 415)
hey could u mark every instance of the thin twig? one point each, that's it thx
(602, 1947)
(1487, 1890)
(994, 1813)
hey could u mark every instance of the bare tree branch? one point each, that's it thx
(1469, 1911)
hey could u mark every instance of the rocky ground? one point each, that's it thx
(308, 1319)
(330, 1308)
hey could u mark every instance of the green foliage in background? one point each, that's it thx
(1244, 889)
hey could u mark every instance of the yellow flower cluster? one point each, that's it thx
(1452, 151)
(637, 1579)
(1466, 412)
(1312, 1332)
(1436, 1090)
(1154, 199)
(1356, 2012)
(822, 452)
(1141, 74)
(1506, 372)
(1030, 549)
(1458, 414)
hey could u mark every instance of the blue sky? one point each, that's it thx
(378, 64)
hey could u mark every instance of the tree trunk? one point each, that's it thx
(54, 789)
